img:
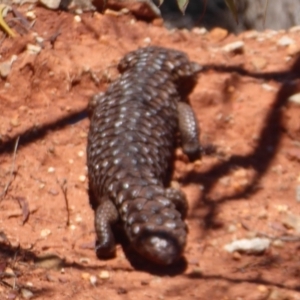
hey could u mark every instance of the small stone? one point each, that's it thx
(293, 49)
(72, 227)
(9, 272)
(285, 41)
(251, 34)
(295, 98)
(199, 31)
(51, 170)
(45, 232)
(31, 15)
(71, 161)
(82, 134)
(15, 122)
(77, 19)
(39, 39)
(78, 219)
(292, 221)
(33, 49)
(85, 276)
(236, 255)
(231, 228)
(5, 67)
(259, 63)
(104, 275)
(254, 245)
(278, 243)
(282, 208)
(147, 40)
(93, 280)
(237, 47)
(262, 288)
(80, 153)
(268, 87)
(52, 4)
(82, 178)
(26, 294)
(53, 192)
(218, 34)
(84, 260)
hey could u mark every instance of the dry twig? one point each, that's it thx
(64, 189)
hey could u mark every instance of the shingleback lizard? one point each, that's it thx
(131, 143)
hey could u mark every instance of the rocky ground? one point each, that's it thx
(247, 186)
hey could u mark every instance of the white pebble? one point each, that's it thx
(51, 170)
(295, 98)
(104, 275)
(31, 15)
(200, 31)
(77, 19)
(33, 49)
(78, 219)
(237, 46)
(93, 279)
(255, 245)
(147, 40)
(82, 178)
(45, 232)
(80, 153)
(71, 161)
(285, 41)
(26, 294)
(268, 87)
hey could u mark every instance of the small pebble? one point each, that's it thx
(104, 275)
(278, 243)
(262, 288)
(93, 280)
(82, 178)
(52, 4)
(33, 49)
(9, 272)
(45, 232)
(80, 153)
(237, 47)
(15, 122)
(84, 260)
(51, 170)
(236, 255)
(77, 19)
(200, 31)
(293, 49)
(295, 98)
(268, 87)
(285, 41)
(31, 15)
(85, 276)
(218, 34)
(147, 40)
(26, 294)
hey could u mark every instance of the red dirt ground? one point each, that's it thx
(245, 188)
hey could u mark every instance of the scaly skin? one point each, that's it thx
(130, 152)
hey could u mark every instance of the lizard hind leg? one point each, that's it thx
(106, 215)
(189, 131)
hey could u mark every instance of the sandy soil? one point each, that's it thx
(245, 188)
